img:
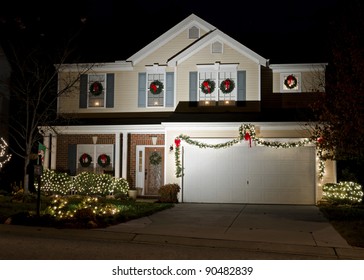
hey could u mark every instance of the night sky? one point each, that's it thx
(282, 31)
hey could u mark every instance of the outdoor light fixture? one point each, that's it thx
(154, 140)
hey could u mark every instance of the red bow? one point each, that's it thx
(177, 141)
(206, 86)
(227, 84)
(153, 87)
(247, 137)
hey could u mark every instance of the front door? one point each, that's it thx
(153, 173)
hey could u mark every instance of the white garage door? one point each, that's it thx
(243, 174)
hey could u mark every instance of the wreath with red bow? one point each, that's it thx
(85, 160)
(103, 160)
(290, 81)
(156, 87)
(96, 88)
(227, 86)
(207, 86)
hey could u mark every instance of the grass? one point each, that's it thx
(86, 211)
(348, 221)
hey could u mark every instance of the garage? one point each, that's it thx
(244, 174)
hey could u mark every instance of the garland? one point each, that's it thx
(247, 133)
(156, 87)
(155, 158)
(227, 86)
(207, 86)
(85, 160)
(290, 81)
(96, 88)
(103, 160)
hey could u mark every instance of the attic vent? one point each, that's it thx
(216, 47)
(193, 33)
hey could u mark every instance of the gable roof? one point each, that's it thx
(188, 22)
(217, 35)
(212, 35)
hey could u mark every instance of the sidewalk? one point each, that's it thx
(273, 228)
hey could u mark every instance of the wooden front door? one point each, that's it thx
(154, 166)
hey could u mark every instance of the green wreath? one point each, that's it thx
(227, 86)
(156, 87)
(290, 81)
(85, 160)
(103, 160)
(155, 158)
(207, 86)
(96, 88)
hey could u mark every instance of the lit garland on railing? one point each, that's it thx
(4, 157)
(247, 133)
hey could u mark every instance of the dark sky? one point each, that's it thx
(283, 31)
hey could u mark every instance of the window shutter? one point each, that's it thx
(241, 87)
(83, 91)
(193, 86)
(142, 89)
(169, 89)
(110, 90)
(72, 158)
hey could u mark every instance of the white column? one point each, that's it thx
(117, 156)
(46, 143)
(54, 152)
(124, 155)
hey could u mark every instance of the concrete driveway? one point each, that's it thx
(281, 224)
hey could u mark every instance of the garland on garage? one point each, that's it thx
(247, 133)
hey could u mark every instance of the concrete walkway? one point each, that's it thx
(283, 228)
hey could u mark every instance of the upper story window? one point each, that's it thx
(290, 82)
(194, 33)
(156, 77)
(217, 83)
(96, 90)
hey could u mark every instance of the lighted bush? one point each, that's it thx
(343, 192)
(168, 193)
(84, 183)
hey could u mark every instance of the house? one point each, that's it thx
(197, 108)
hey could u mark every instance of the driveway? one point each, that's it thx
(282, 224)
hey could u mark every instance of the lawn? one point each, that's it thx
(348, 221)
(75, 211)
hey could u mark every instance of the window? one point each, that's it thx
(96, 155)
(217, 83)
(156, 86)
(193, 33)
(96, 90)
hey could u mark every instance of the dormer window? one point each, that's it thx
(194, 33)
(216, 47)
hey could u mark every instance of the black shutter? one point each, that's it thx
(72, 159)
(241, 88)
(142, 90)
(193, 86)
(109, 90)
(83, 91)
(169, 89)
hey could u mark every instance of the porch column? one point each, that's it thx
(53, 152)
(117, 156)
(47, 142)
(124, 155)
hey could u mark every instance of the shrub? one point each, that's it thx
(168, 193)
(85, 183)
(343, 192)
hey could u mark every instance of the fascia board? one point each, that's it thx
(303, 67)
(110, 66)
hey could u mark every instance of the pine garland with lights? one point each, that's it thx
(85, 160)
(246, 132)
